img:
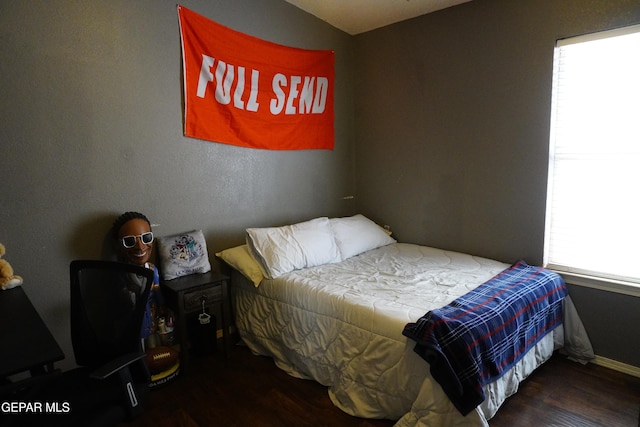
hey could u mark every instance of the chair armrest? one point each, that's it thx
(116, 365)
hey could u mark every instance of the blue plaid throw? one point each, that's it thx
(478, 337)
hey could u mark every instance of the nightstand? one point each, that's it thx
(188, 294)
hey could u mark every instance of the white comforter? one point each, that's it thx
(341, 325)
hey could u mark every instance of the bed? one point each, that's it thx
(331, 300)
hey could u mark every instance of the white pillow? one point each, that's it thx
(357, 234)
(280, 250)
(241, 259)
(183, 254)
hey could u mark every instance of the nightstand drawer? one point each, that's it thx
(193, 300)
(185, 296)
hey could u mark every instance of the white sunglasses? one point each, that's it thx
(130, 241)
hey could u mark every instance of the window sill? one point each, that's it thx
(600, 283)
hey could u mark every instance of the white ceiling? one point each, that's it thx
(358, 16)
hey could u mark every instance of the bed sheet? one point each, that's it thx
(341, 325)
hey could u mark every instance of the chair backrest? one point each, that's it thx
(108, 301)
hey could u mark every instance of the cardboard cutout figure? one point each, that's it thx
(133, 239)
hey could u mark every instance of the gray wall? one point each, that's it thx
(453, 116)
(91, 127)
(442, 127)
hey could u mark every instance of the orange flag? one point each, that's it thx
(244, 91)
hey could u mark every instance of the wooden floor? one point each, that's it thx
(250, 391)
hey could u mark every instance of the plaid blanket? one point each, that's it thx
(478, 337)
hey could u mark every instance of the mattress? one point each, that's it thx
(341, 325)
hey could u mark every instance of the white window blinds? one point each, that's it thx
(593, 206)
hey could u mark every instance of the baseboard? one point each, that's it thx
(617, 366)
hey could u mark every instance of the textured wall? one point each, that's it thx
(446, 116)
(453, 131)
(91, 127)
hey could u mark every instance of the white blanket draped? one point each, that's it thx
(341, 325)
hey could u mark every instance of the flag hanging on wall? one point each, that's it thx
(245, 91)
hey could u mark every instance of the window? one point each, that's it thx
(593, 206)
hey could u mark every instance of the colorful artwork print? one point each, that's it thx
(186, 250)
(183, 254)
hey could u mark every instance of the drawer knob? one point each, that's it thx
(204, 317)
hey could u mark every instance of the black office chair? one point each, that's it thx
(108, 301)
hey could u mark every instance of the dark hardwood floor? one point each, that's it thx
(247, 390)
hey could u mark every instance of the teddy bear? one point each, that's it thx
(8, 280)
